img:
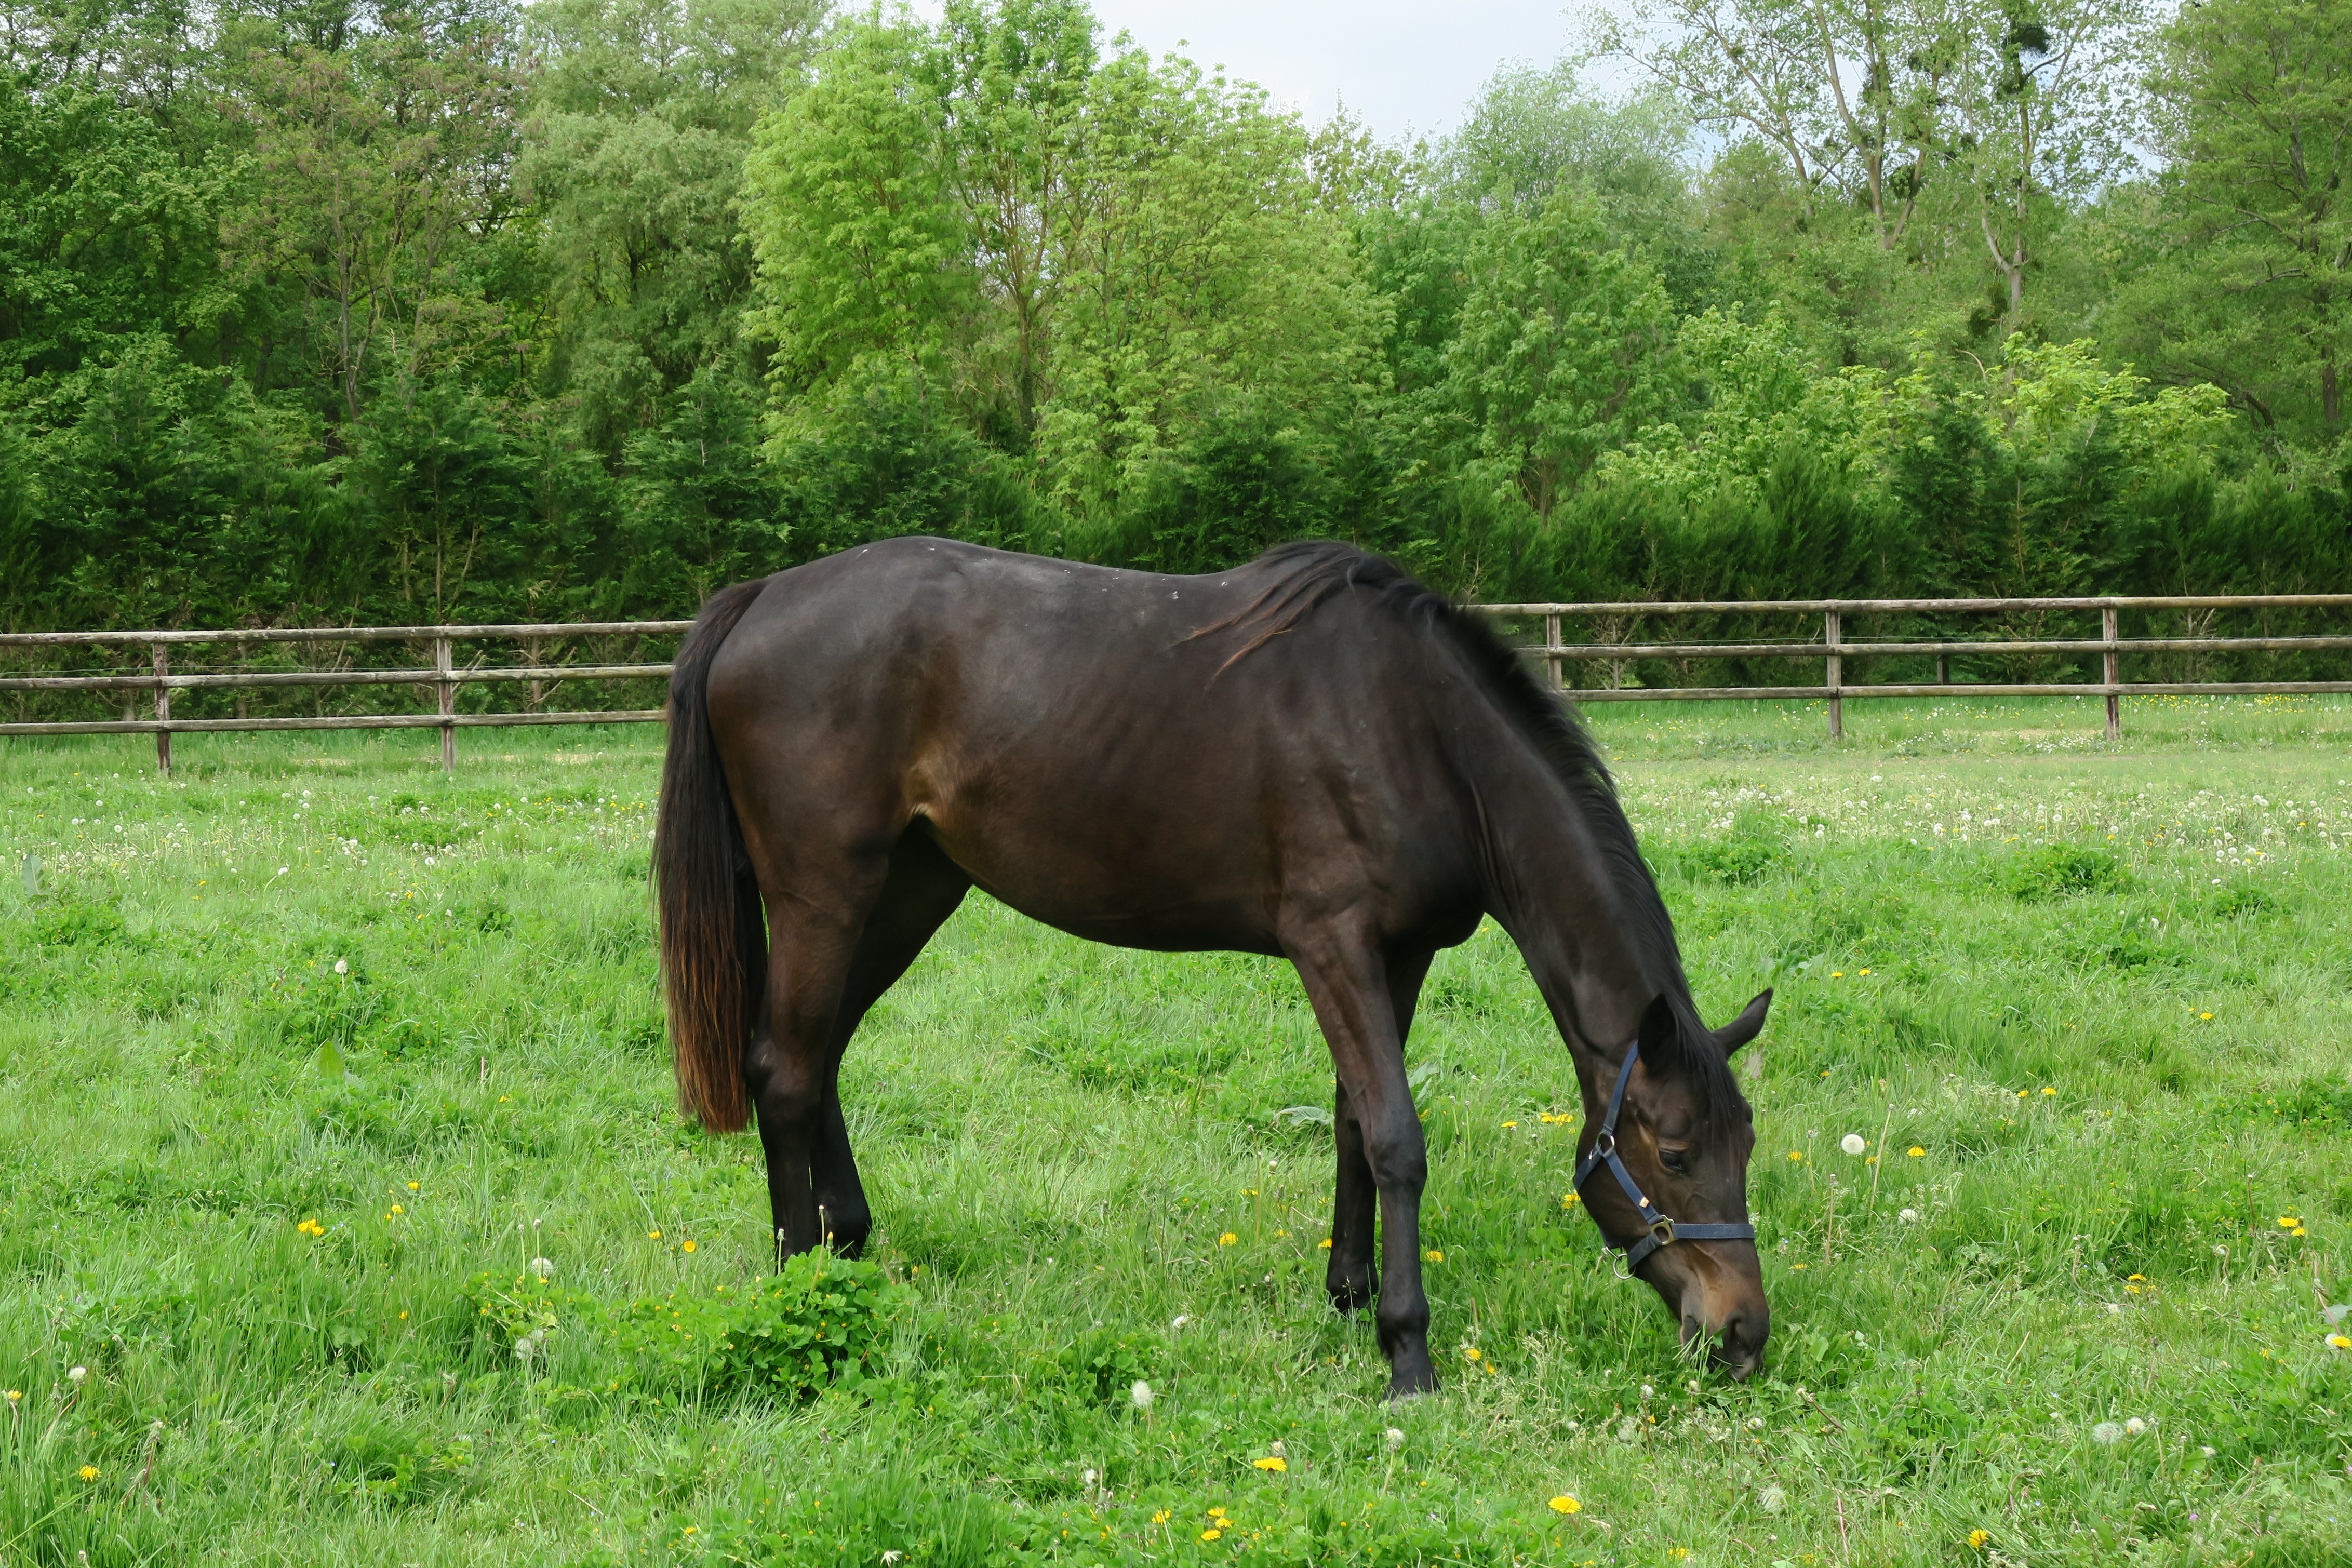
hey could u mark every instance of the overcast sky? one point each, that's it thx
(1402, 67)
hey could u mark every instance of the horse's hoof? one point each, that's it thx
(1411, 1380)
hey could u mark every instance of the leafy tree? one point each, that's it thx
(2257, 117)
(1565, 349)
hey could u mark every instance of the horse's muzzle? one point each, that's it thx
(1736, 1344)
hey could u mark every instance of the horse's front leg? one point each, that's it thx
(1354, 1196)
(1347, 979)
(1349, 1279)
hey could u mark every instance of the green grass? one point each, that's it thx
(1996, 939)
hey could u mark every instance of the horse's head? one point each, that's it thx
(1682, 1137)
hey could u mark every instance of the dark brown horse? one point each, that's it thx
(1311, 755)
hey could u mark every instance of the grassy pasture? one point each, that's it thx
(285, 1216)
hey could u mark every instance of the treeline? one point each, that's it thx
(332, 310)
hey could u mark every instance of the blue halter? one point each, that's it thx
(1660, 1231)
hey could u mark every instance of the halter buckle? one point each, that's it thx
(1664, 1230)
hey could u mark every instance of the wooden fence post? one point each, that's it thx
(2115, 665)
(447, 690)
(1829, 628)
(162, 710)
(1551, 640)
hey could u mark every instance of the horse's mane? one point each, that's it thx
(1306, 573)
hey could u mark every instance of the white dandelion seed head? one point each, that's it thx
(1853, 1143)
(1394, 1437)
(1648, 1392)
(1756, 1422)
(1275, 1449)
(1180, 1319)
(2106, 1434)
(1771, 1500)
(1910, 1216)
(1088, 1477)
(893, 1557)
(78, 1376)
(2206, 1449)
(1141, 1394)
(342, 966)
(2135, 1427)
(542, 1267)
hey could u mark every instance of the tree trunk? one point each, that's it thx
(2331, 395)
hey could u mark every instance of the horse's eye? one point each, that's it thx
(1673, 1160)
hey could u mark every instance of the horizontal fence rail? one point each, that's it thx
(1834, 648)
(446, 677)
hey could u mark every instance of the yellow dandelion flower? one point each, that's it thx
(397, 1210)
(1978, 1538)
(2048, 1090)
(1570, 1201)
(653, 1235)
(686, 1246)
(1510, 1123)
(2288, 1222)
(2205, 1017)
(1435, 1255)
(88, 1472)
(1916, 1152)
(2339, 1341)
(1227, 1240)
(1797, 1154)
(1472, 1353)
(1160, 1518)
(1837, 974)
(413, 1186)
(14, 1395)
(1212, 1535)
(1273, 1462)
(2297, 1231)
(1566, 1504)
(1324, 1244)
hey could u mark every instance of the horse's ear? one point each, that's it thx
(1660, 1037)
(1747, 1026)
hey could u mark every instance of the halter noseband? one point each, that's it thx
(1660, 1231)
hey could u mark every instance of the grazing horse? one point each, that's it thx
(1312, 757)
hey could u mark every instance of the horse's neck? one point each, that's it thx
(1556, 889)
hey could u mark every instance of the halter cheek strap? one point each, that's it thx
(1660, 1231)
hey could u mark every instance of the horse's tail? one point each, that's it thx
(713, 937)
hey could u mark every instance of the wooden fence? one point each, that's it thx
(1833, 648)
(444, 674)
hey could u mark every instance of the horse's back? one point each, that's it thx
(1094, 746)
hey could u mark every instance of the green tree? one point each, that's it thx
(2257, 119)
(1565, 349)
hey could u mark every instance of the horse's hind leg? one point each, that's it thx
(822, 976)
(924, 888)
(1355, 1198)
